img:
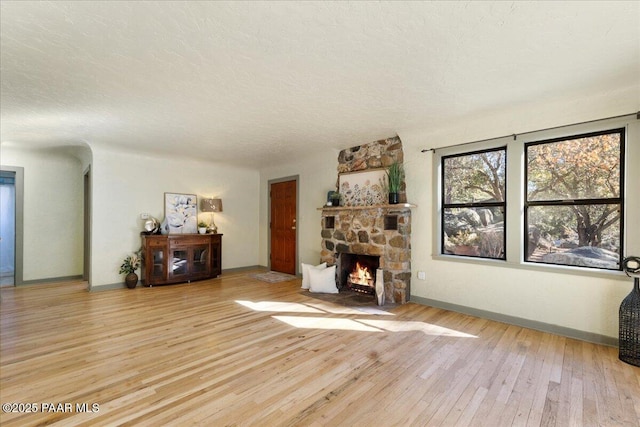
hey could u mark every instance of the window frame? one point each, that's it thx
(576, 201)
(444, 206)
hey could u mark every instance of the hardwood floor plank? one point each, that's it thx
(234, 351)
(471, 409)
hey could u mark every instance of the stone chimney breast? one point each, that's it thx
(380, 230)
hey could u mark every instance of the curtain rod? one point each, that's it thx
(533, 131)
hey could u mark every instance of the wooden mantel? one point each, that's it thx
(396, 206)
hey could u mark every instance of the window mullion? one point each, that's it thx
(515, 197)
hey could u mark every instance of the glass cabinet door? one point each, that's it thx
(179, 262)
(215, 257)
(157, 270)
(200, 260)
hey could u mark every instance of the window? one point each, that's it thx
(474, 207)
(573, 206)
(569, 204)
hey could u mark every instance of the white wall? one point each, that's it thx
(578, 301)
(53, 194)
(128, 184)
(317, 175)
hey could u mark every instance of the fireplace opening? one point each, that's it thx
(358, 272)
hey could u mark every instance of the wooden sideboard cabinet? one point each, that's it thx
(181, 257)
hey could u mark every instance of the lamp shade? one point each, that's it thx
(211, 205)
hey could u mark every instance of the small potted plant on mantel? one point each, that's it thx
(129, 266)
(395, 176)
(202, 227)
(335, 197)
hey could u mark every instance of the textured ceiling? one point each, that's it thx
(254, 83)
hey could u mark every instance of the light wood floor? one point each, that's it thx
(235, 351)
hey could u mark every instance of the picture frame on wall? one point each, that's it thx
(181, 213)
(364, 188)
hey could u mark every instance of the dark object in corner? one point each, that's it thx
(629, 339)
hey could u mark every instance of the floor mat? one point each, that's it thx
(272, 277)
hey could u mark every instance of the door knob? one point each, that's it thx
(293, 228)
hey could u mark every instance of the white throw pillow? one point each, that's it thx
(323, 281)
(305, 272)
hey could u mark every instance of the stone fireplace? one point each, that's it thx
(362, 231)
(381, 232)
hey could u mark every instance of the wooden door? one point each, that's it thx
(283, 226)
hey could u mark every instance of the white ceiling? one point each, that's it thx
(254, 83)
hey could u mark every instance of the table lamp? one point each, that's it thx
(211, 206)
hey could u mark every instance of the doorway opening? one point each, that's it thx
(18, 174)
(86, 267)
(7, 228)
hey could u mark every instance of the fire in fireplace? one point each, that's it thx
(361, 276)
(358, 272)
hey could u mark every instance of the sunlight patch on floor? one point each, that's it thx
(407, 326)
(304, 322)
(363, 325)
(293, 307)
(289, 307)
(336, 309)
(367, 325)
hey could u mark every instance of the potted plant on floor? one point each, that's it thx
(395, 176)
(129, 266)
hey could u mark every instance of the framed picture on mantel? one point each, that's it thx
(365, 188)
(181, 213)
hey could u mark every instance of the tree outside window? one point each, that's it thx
(474, 207)
(574, 204)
